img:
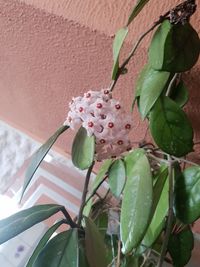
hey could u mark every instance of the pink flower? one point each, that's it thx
(103, 117)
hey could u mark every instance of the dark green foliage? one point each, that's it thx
(136, 10)
(171, 128)
(21, 221)
(83, 149)
(187, 197)
(39, 155)
(95, 247)
(149, 87)
(117, 45)
(137, 200)
(180, 94)
(43, 242)
(174, 48)
(116, 177)
(180, 247)
(60, 251)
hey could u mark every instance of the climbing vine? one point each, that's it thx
(145, 216)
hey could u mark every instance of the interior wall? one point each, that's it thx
(52, 50)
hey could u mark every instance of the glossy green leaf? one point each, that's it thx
(140, 80)
(60, 251)
(39, 155)
(101, 174)
(160, 206)
(171, 128)
(102, 223)
(159, 186)
(133, 156)
(95, 248)
(117, 45)
(111, 242)
(136, 10)
(180, 94)
(132, 261)
(138, 85)
(157, 46)
(180, 247)
(137, 200)
(87, 208)
(150, 85)
(187, 197)
(116, 177)
(83, 149)
(43, 242)
(96, 183)
(22, 220)
(83, 262)
(174, 48)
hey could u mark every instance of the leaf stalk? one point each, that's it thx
(85, 190)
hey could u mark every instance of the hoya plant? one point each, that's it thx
(145, 215)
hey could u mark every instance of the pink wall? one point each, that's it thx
(52, 50)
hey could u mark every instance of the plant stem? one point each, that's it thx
(126, 61)
(161, 19)
(157, 159)
(146, 257)
(94, 192)
(69, 220)
(113, 252)
(129, 57)
(171, 84)
(177, 159)
(185, 161)
(112, 262)
(170, 213)
(85, 190)
(118, 254)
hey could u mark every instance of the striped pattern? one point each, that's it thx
(54, 182)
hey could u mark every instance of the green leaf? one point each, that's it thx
(60, 251)
(174, 48)
(83, 262)
(137, 200)
(171, 128)
(116, 177)
(187, 198)
(138, 85)
(102, 223)
(159, 187)
(150, 85)
(136, 10)
(83, 149)
(117, 45)
(95, 248)
(140, 80)
(180, 94)
(180, 247)
(111, 242)
(22, 220)
(159, 209)
(87, 208)
(96, 183)
(101, 174)
(132, 261)
(39, 155)
(43, 242)
(133, 156)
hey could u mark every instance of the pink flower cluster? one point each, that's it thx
(103, 117)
